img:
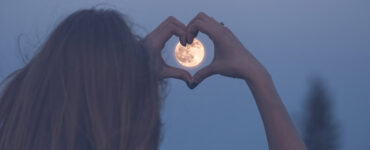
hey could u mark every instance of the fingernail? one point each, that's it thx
(191, 41)
(193, 85)
(188, 84)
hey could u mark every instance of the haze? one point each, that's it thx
(295, 40)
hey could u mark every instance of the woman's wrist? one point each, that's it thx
(257, 77)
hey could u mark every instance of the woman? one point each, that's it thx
(95, 85)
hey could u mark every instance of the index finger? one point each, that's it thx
(204, 24)
(160, 35)
(171, 26)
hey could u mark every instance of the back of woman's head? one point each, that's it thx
(88, 87)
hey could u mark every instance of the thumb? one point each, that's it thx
(201, 75)
(172, 72)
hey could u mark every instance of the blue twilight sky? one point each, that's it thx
(294, 39)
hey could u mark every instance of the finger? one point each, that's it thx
(171, 30)
(171, 26)
(172, 72)
(180, 25)
(199, 16)
(203, 23)
(198, 26)
(201, 75)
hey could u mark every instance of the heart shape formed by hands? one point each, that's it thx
(231, 58)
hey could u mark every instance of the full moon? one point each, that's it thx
(191, 55)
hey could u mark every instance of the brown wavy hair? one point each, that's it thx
(89, 87)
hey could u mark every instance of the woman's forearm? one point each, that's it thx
(232, 59)
(280, 130)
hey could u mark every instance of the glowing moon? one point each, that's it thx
(191, 55)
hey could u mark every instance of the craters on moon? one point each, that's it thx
(191, 55)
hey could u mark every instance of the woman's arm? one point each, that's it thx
(234, 60)
(280, 130)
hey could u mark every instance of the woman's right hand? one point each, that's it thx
(231, 58)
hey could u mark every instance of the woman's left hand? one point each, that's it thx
(155, 41)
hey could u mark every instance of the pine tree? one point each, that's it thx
(320, 130)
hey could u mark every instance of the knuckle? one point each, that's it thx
(201, 15)
(174, 29)
(171, 18)
(170, 26)
(196, 24)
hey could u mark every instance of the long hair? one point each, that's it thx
(89, 87)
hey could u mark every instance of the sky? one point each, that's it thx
(295, 40)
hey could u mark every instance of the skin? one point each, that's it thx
(155, 42)
(231, 59)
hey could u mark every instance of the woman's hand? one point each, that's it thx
(231, 58)
(155, 41)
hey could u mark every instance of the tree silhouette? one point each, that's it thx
(320, 130)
